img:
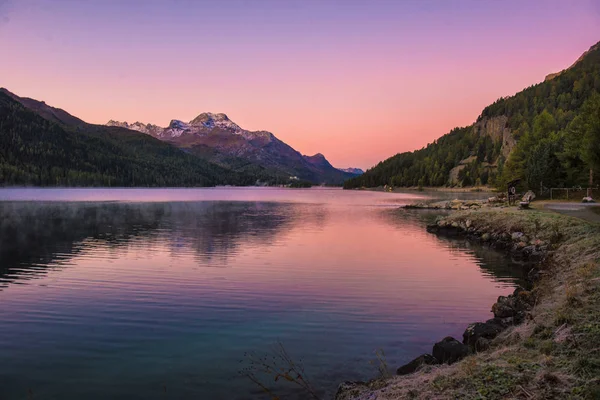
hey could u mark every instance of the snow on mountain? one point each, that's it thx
(175, 129)
(148, 129)
(353, 171)
(220, 120)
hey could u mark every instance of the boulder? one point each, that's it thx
(450, 350)
(504, 307)
(481, 330)
(423, 359)
(482, 344)
(514, 305)
(529, 196)
(503, 322)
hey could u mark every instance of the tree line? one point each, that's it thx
(556, 124)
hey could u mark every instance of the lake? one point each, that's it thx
(162, 293)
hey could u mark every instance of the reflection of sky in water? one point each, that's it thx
(117, 300)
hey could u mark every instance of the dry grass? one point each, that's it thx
(555, 354)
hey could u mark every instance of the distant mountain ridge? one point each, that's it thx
(354, 171)
(216, 138)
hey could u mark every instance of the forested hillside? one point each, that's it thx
(548, 135)
(35, 150)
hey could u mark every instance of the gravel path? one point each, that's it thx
(588, 212)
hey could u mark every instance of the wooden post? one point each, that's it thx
(567, 194)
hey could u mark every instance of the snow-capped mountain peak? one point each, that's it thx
(353, 171)
(215, 136)
(148, 129)
(219, 120)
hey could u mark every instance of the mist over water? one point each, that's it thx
(134, 293)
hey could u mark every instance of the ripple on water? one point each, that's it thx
(169, 288)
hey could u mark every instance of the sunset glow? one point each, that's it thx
(356, 81)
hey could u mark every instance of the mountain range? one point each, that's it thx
(46, 146)
(547, 135)
(214, 137)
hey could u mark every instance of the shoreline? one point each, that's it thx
(519, 328)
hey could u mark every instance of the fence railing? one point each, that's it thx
(576, 193)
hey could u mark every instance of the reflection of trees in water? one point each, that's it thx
(34, 236)
(214, 230)
(492, 262)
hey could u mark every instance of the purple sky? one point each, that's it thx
(356, 80)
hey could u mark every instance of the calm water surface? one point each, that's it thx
(154, 294)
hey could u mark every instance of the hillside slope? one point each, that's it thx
(538, 135)
(45, 146)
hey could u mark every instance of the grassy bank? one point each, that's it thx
(555, 353)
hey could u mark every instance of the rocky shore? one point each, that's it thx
(531, 236)
(457, 204)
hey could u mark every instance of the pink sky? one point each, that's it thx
(356, 81)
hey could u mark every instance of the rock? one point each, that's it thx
(468, 223)
(516, 236)
(529, 196)
(482, 344)
(481, 330)
(486, 237)
(533, 275)
(526, 297)
(423, 359)
(504, 307)
(503, 322)
(450, 350)
(455, 224)
(514, 305)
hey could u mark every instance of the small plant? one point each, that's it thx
(571, 293)
(563, 316)
(277, 366)
(381, 363)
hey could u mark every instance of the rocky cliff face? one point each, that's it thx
(497, 129)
